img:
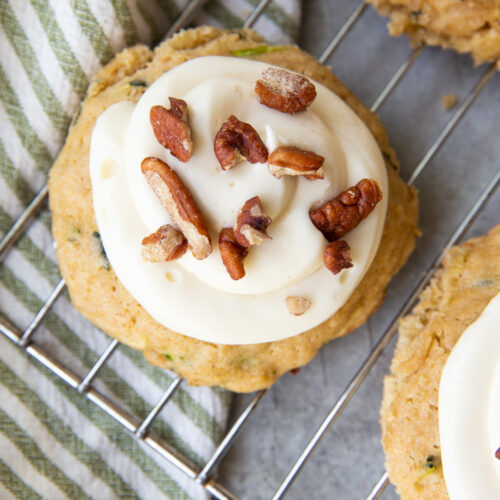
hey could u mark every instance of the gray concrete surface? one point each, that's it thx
(349, 460)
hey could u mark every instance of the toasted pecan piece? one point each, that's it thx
(289, 160)
(251, 224)
(236, 140)
(171, 128)
(342, 214)
(285, 91)
(297, 305)
(165, 244)
(232, 253)
(337, 256)
(178, 202)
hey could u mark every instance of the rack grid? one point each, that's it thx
(204, 475)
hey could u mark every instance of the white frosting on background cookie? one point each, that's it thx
(199, 298)
(469, 410)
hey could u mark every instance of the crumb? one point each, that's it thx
(449, 101)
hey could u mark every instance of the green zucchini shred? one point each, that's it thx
(261, 49)
(73, 234)
(388, 159)
(76, 116)
(485, 283)
(430, 466)
(105, 261)
(430, 463)
(137, 83)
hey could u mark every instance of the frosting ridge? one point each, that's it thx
(203, 301)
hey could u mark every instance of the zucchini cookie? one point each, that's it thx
(210, 338)
(468, 26)
(416, 415)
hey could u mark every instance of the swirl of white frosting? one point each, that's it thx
(469, 410)
(198, 298)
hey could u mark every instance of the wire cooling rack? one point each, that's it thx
(204, 476)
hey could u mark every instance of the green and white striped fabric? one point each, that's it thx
(53, 443)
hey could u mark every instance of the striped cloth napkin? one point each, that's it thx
(54, 443)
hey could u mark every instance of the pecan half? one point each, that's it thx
(285, 91)
(232, 253)
(251, 224)
(337, 256)
(178, 202)
(289, 160)
(171, 128)
(164, 244)
(236, 140)
(297, 305)
(342, 214)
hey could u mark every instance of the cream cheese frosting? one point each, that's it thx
(197, 297)
(469, 410)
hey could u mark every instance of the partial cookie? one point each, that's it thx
(468, 279)
(98, 294)
(468, 26)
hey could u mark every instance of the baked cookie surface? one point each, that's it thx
(468, 279)
(95, 289)
(468, 26)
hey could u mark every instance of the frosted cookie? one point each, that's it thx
(197, 314)
(468, 26)
(434, 422)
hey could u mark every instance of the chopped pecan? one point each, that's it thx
(171, 128)
(289, 160)
(232, 253)
(497, 454)
(342, 214)
(164, 244)
(251, 224)
(178, 202)
(337, 256)
(285, 91)
(297, 305)
(237, 139)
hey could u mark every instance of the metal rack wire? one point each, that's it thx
(140, 430)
